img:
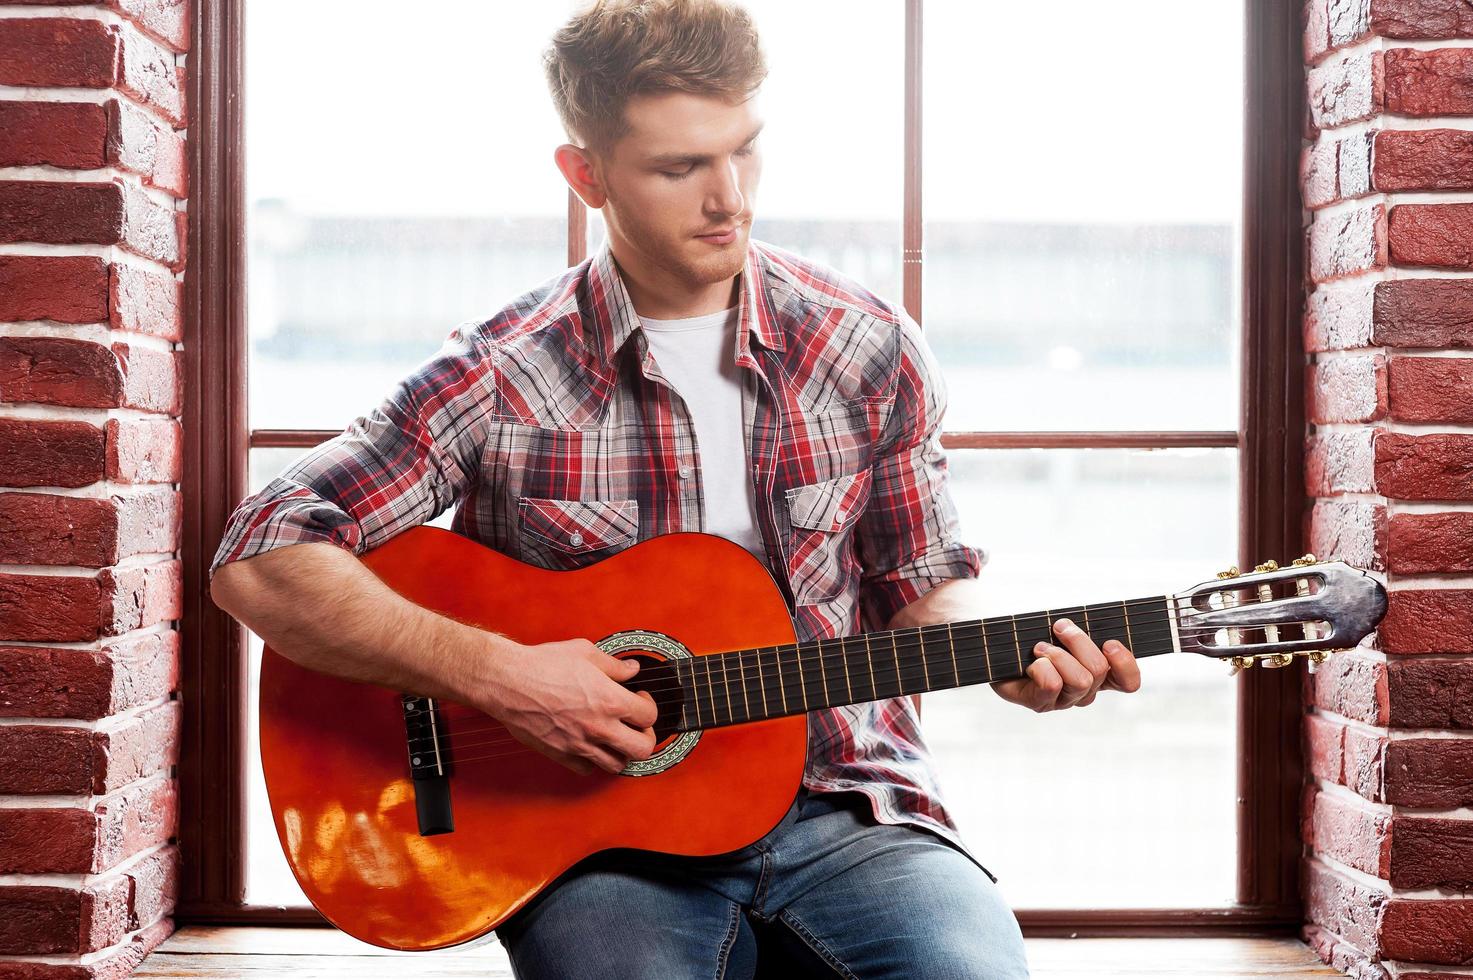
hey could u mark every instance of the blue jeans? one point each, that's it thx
(828, 892)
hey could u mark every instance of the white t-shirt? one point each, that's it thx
(695, 354)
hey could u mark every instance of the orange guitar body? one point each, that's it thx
(337, 773)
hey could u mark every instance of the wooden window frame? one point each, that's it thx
(212, 769)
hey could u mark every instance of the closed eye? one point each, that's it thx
(745, 151)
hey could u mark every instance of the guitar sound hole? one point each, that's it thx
(657, 676)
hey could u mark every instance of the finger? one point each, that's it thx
(1125, 670)
(1078, 642)
(1046, 685)
(604, 759)
(1077, 680)
(640, 710)
(629, 744)
(619, 668)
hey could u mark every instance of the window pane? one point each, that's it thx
(399, 180)
(1130, 801)
(269, 880)
(1083, 217)
(832, 149)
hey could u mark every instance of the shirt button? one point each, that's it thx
(684, 471)
(839, 515)
(576, 539)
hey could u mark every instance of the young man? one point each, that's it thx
(686, 377)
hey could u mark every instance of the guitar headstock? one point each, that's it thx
(1271, 614)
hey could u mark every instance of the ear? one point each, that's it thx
(583, 172)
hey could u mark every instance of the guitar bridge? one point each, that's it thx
(428, 769)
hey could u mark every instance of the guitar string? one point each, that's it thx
(805, 667)
(915, 641)
(914, 635)
(905, 675)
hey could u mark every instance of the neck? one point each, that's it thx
(768, 682)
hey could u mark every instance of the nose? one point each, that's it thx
(726, 195)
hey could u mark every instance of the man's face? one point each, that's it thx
(689, 166)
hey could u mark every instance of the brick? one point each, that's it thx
(93, 213)
(1353, 833)
(118, 963)
(63, 288)
(1343, 956)
(1421, 19)
(1339, 316)
(1345, 907)
(64, 682)
(1335, 168)
(45, 453)
(85, 53)
(67, 371)
(49, 608)
(144, 450)
(1421, 543)
(1354, 686)
(1438, 466)
(1424, 160)
(72, 840)
(155, 887)
(42, 919)
(145, 301)
(1347, 389)
(1364, 763)
(167, 20)
(1346, 88)
(1439, 235)
(1429, 83)
(1353, 531)
(1423, 313)
(1428, 693)
(75, 608)
(1340, 462)
(139, 596)
(1430, 852)
(80, 761)
(1431, 389)
(57, 134)
(49, 529)
(1428, 621)
(1347, 243)
(138, 144)
(1324, 747)
(1429, 772)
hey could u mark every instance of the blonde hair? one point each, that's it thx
(613, 50)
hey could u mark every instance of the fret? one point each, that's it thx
(726, 689)
(742, 676)
(925, 668)
(823, 679)
(956, 677)
(777, 667)
(895, 651)
(802, 681)
(986, 648)
(870, 660)
(1130, 640)
(848, 684)
(762, 684)
(1017, 643)
(711, 679)
(687, 683)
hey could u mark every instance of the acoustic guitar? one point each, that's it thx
(415, 824)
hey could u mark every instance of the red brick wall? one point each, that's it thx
(1388, 180)
(92, 188)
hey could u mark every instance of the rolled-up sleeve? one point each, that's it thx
(908, 533)
(398, 466)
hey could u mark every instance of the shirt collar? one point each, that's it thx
(615, 320)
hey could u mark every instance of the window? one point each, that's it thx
(1079, 278)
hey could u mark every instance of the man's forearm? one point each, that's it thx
(319, 606)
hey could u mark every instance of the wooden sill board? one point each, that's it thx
(307, 953)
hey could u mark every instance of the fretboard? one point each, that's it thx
(768, 682)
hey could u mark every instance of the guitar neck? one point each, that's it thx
(769, 682)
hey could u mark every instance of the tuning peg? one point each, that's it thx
(1307, 559)
(1239, 663)
(1230, 572)
(1278, 659)
(1318, 656)
(1268, 566)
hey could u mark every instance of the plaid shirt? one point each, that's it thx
(553, 428)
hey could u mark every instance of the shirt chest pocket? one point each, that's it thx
(567, 534)
(821, 563)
